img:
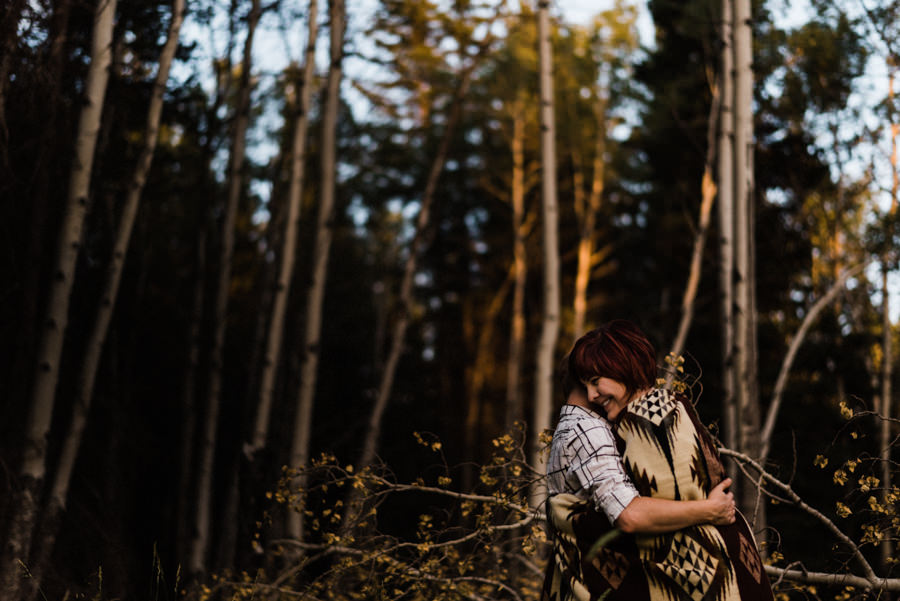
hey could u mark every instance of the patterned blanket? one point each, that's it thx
(668, 454)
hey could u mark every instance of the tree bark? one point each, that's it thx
(514, 406)
(24, 507)
(289, 249)
(745, 320)
(321, 250)
(726, 228)
(197, 560)
(546, 349)
(405, 298)
(887, 373)
(94, 350)
(587, 213)
(477, 373)
(708, 191)
(183, 530)
(39, 186)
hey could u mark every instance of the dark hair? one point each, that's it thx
(618, 350)
(570, 381)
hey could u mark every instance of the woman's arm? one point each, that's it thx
(652, 515)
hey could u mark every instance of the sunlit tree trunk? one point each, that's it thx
(56, 504)
(289, 243)
(25, 505)
(203, 502)
(587, 218)
(479, 334)
(546, 349)
(405, 296)
(514, 406)
(321, 250)
(708, 191)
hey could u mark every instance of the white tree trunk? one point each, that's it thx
(543, 394)
(196, 563)
(289, 245)
(745, 319)
(514, 410)
(322, 249)
(887, 374)
(93, 352)
(726, 228)
(24, 507)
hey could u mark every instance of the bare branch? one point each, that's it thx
(788, 362)
(794, 498)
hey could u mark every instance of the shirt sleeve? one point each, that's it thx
(597, 467)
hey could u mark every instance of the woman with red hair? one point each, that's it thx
(649, 469)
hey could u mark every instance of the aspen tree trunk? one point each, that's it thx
(587, 213)
(24, 506)
(184, 534)
(40, 185)
(745, 320)
(887, 547)
(289, 249)
(708, 191)
(514, 406)
(405, 298)
(56, 504)
(321, 250)
(203, 503)
(477, 372)
(726, 229)
(543, 393)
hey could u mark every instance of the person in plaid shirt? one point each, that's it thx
(584, 462)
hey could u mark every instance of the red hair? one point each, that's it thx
(617, 350)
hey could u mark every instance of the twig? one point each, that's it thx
(794, 498)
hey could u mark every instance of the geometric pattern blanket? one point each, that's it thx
(669, 454)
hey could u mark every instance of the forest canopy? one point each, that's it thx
(287, 283)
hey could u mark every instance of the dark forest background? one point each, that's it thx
(438, 108)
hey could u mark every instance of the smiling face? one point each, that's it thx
(607, 394)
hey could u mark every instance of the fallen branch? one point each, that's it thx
(806, 577)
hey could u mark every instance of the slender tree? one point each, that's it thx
(321, 250)
(405, 296)
(282, 291)
(203, 502)
(887, 344)
(546, 349)
(56, 505)
(708, 189)
(726, 225)
(744, 287)
(514, 405)
(25, 505)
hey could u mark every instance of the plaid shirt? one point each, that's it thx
(584, 461)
